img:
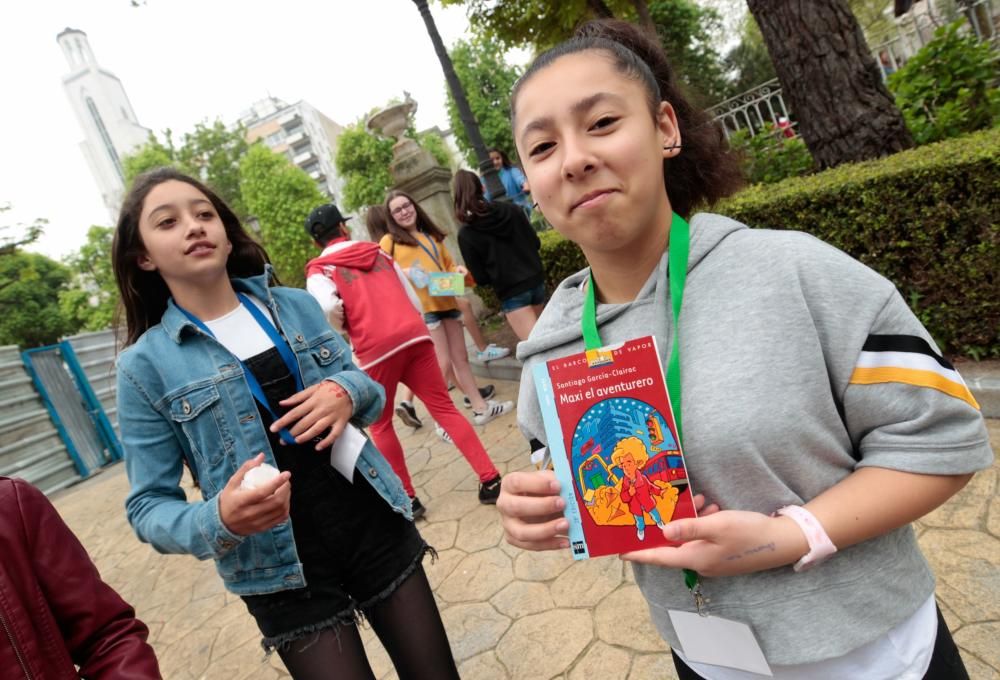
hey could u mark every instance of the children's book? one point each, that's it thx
(614, 447)
(446, 283)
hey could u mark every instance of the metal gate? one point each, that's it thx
(73, 407)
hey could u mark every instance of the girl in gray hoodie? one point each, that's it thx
(816, 410)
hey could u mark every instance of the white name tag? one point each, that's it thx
(720, 642)
(345, 451)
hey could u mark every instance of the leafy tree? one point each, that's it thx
(748, 64)
(91, 301)
(363, 162)
(830, 80)
(27, 233)
(946, 89)
(281, 195)
(434, 143)
(686, 30)
(152, 154)
(488, 80)
(542, 23)
(29, 307)
(211, 153)
(871, 16)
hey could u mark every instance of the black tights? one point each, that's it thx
(408, 624)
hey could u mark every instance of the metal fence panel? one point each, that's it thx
(96, 353)
(68, 406)
(30, 445)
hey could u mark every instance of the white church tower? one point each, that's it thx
(105, 115)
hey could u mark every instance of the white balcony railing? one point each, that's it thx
(304, 158)
(764, 104)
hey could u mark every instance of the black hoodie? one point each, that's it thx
(500, 249)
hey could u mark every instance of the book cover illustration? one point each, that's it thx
(614, 447)
(446, 283)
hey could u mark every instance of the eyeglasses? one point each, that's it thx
(401, 208)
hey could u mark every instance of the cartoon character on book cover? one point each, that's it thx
(627, 467)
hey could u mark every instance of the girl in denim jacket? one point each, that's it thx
(222, 373)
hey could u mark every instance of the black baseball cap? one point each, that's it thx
(324, 220)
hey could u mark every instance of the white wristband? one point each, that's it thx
(820, 545)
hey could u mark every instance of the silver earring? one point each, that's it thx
(670, 147)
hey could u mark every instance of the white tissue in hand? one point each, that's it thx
(258, 476)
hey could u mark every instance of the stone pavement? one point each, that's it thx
(509, 613)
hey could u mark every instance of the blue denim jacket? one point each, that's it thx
(181, 394)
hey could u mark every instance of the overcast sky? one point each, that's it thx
(183, 61)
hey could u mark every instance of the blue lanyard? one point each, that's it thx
(434, 255)
(283, 349)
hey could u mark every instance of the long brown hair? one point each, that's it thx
(377, 222)
(468, 193)
(706, 169)
(144, 294)
(424, 222)
(504, 160)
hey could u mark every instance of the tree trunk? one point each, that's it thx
(830, 80)
(486, 170)
(645, 19)
(600, 9)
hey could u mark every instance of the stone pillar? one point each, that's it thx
(417, 173)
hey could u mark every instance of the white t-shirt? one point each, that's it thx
(904, 653)
(240, 333)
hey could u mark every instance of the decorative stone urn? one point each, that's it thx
(415, 171)
(391, 121)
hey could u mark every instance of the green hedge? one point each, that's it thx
(928, 219)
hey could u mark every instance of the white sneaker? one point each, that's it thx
(492, 352)
(641, 533)
(441, 433)
(494, 409)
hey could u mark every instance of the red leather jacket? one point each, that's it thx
(55, 611)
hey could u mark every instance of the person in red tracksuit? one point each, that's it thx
(365, 294)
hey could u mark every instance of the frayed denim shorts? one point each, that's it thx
(535, 296)
(434, 319)
(355, 551)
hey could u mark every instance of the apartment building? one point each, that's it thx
(301, 132)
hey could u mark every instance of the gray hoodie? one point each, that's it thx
(779, 335)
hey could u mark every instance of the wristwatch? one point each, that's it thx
(820, 545)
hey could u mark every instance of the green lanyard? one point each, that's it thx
(680, 241)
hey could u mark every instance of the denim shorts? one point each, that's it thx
(355, 552)
(434, 319)
(354, 548)
(535, 296)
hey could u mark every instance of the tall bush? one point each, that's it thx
(770, 156)
(928, 219)
(281, 195)
(949, 87)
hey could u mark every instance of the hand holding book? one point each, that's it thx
(531, 511)
(727, 543)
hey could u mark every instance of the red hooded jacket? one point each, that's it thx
(55, 611)
(379, 316)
